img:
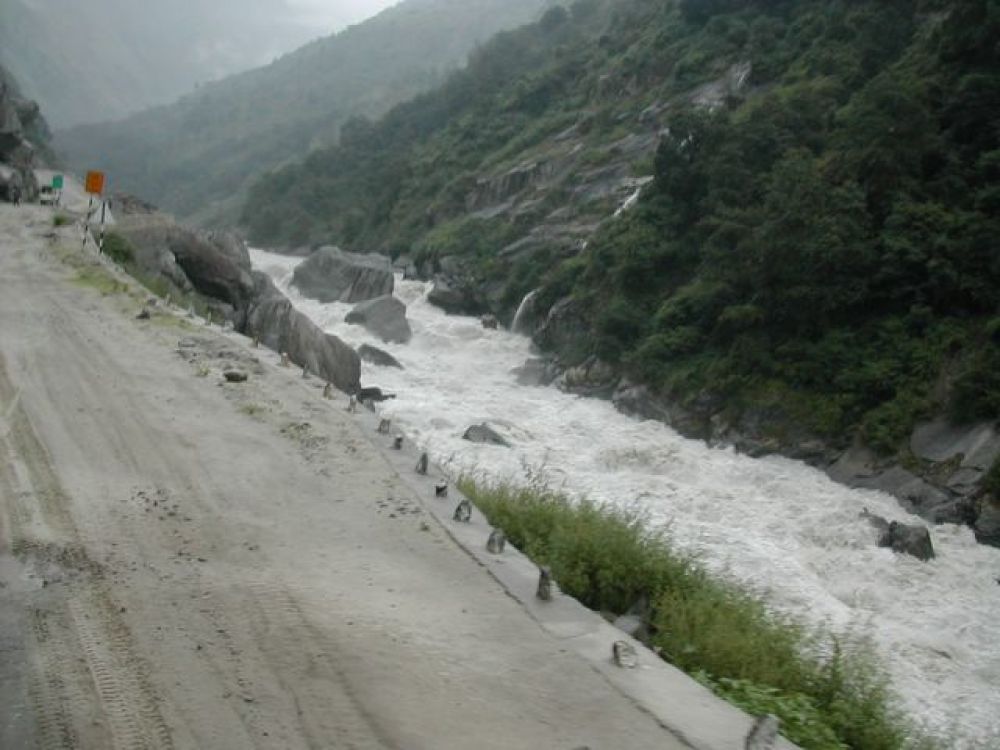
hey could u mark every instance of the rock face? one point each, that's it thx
(279, 326)
(22, 131)
(565, 330)
(591, 378)
(483, 433)
(376, 356)
(331, 275)
(383, 316)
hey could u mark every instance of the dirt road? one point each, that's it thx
(186, 563)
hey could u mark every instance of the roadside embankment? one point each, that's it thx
(192, 562)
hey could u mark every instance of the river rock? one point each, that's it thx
(375, 356)
(484, 434)
(332, 275)
(908, 539)
(591, 378)
(453, 297)
(536, 371)
(987, 526)
(974, 447)
(385, 317)
(373, 394)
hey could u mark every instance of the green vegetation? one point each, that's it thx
(196, 157)
(96, 277)
(401, 183)
(118, 249)
(829, 692)
(821, 245)
(828, 243)
(61, 220)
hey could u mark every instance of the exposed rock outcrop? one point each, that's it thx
(216, 266)
(22, 131)
(565, 331)
(385, 317)
(332, 275)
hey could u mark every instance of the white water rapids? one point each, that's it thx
(777, 525)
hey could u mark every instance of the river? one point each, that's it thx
(778, 526)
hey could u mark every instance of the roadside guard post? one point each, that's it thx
(94, 185)
(57, 187)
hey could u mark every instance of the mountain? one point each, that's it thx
(770, 223)
(104, 59)
(193, 157)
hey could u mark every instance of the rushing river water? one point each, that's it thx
(776, 525)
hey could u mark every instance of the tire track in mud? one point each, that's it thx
(129, 705)
(65, 697)
(306, 661)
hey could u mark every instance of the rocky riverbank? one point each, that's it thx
(942, 474)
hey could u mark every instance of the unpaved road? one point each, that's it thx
(191, 564)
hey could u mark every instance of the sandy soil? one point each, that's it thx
(186, 563)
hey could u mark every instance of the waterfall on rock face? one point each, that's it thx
(771, 524)
(522, 311)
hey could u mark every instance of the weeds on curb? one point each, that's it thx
(829, 691)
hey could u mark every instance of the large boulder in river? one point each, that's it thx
(331, 275)
(906, 539)
(384, 317)
(375, 356)
(483, 433)
(279, 326)
(454, 296)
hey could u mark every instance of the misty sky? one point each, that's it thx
(329, 15)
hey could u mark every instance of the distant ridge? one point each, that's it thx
(194, 157)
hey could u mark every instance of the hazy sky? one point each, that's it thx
(334, 14)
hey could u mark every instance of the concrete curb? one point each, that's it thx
(682, 706)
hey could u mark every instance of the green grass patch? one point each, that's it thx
(829, 691)
(118, 248)
(61, 220)
(95, 277)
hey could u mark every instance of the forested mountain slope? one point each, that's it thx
(815, 257)
(193, 157)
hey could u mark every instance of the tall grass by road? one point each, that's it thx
(829, 692)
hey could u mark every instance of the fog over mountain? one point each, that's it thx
(104, 59)
(196, 156)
